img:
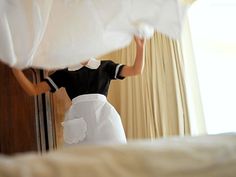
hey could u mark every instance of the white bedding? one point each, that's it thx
(58, 33)
(205, 156)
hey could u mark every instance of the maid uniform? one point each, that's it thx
(91, 119)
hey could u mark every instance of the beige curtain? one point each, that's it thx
(153, 104)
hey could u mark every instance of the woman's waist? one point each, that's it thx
(89, 97)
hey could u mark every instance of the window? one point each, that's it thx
(213, 29)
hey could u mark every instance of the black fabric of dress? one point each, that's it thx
(86, 80)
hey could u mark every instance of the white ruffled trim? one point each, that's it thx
(74, 130)
(52, 82)
(93, 63)
(117, 70)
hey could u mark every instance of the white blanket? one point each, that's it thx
(58, 33)
(206, 156)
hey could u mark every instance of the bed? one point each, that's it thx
(199, 156)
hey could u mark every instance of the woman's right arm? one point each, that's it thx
(29, 87)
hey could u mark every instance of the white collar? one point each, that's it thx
(92, 63)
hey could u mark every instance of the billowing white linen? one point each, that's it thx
(59, 33)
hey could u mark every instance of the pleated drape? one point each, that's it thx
(153, 104)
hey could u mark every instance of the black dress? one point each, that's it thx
(91, 118)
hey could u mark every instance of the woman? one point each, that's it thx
(91, 119)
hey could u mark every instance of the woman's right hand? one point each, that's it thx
(29, 87)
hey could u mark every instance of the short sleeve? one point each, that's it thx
(56, 80)
(114, 70)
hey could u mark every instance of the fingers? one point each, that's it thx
(139, 41)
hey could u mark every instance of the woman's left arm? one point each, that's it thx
(138, 65)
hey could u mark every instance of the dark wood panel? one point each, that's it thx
(18, 125)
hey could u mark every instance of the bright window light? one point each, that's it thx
(213, 30)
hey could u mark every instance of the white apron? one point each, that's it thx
(92, 120)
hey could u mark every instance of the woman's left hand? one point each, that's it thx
(139, 41)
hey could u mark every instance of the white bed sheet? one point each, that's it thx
(55, 34)
(204, 156)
